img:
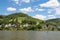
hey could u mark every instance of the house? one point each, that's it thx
(26, 25)
(8, 25)
(58, 26)
(11, 25)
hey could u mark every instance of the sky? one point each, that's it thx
(40, 9)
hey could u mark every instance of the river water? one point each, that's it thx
(29, 35)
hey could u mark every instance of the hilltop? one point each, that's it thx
(19, 20)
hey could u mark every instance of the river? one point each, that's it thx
(29, 35)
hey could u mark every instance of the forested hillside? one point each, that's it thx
(22, 21)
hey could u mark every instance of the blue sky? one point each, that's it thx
(40, 9)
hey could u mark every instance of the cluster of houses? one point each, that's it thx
(17, 25)
(8, 25)
(26, 25)
(51, 27)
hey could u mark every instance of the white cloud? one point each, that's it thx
(54, 4)
(26, 1)
(50, 11)
(57, 11)
(51, 3)
(40, 9)
(16, 1)
(25, 10)
(51, 16)
(11, 9)
(20, 1)
(34, 0)
(38, 16)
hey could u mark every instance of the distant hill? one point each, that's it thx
(56, 20)
(18, 17)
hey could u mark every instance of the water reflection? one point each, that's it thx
(29, 35)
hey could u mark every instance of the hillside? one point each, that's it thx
(21, 17)
(56, 20)
(21, 21)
